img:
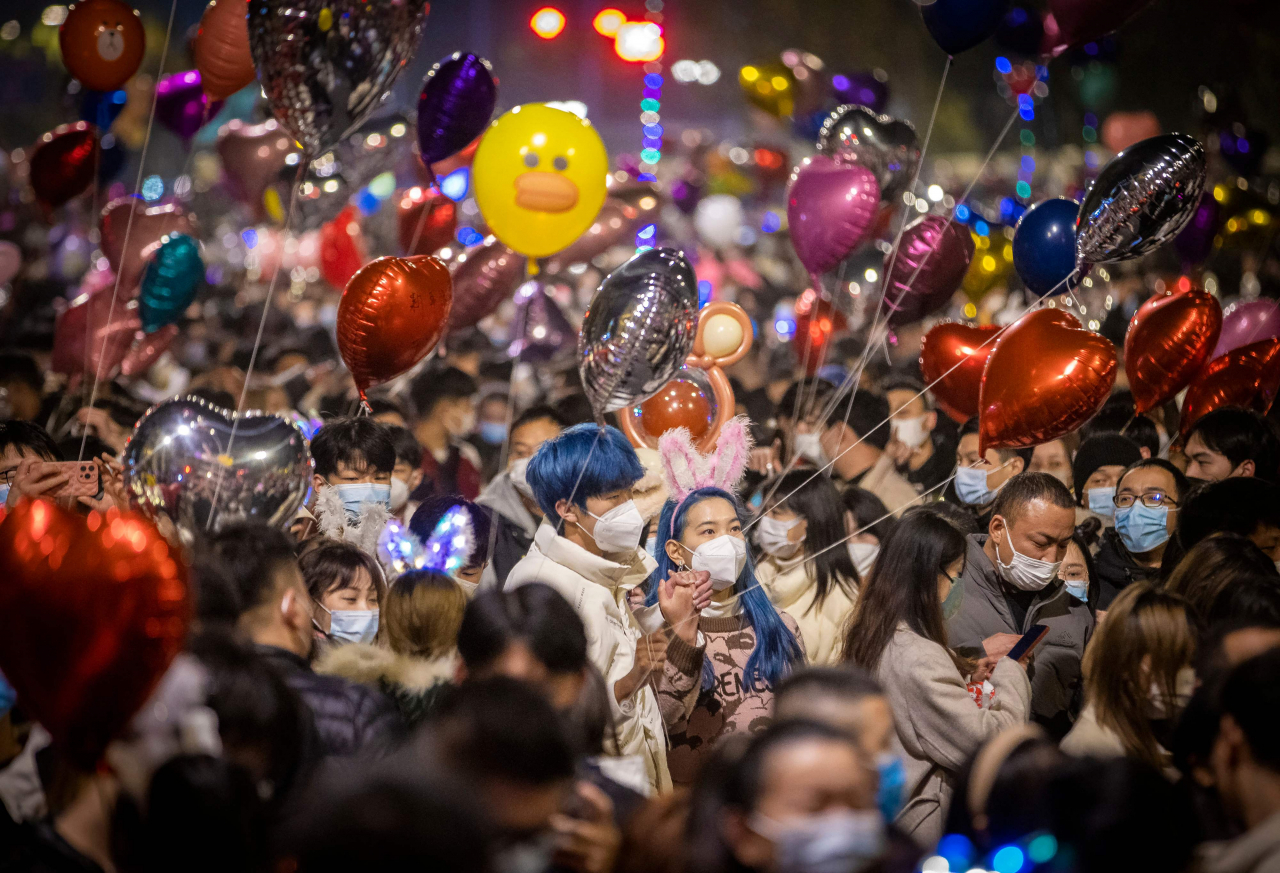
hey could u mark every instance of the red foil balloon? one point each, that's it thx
(1169, 340)
(483, 276)
(92, 611)
(221, 49)
(1247, 377)
(391, 316)
(1045, 377)
(87, 341)
(952, 358)
(1081, 21)
(102, 43)
(437, 226)
(682, 402)
(932, 259)
(816, 322)
(64, 162)
(150, 225)
(342, 249)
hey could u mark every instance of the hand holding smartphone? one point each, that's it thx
(58, 478)
(1022, 649)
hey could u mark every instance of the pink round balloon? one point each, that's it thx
(830, 208)
(1245, 323)
(10, 261)
(933, 256)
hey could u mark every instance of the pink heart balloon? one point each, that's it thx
(10, 261)
(1247, 323)
(830, 208)
(932, 259)
(129, 246)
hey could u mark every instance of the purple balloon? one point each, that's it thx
(1195, 242)
(685, 194)
(455, 106)
(861, 87)
(830, 208)
(932, 259)
(1245, 323)
(540, 331)
(181, 104)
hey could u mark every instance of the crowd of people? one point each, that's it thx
(844, 640)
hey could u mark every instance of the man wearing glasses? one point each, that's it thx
(1148, 495)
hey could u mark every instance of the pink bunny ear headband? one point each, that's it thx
(685, 469)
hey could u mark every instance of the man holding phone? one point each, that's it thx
(1011, 585)
(30, 466)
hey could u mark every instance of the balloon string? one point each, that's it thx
(137, 186)
(191, 152)
(257, 343)
(422, 221)
(93, 230)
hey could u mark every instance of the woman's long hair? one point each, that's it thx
(903, 587)
(776, 648)
(1148, 636)
(818, 502)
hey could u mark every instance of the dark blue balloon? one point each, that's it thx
(1044, 246)
(100, 108)
(455, 106)
(1021, 31)
(956, 25)
(171, 281)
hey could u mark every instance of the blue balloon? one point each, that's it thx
(1044, 246)
(171, 281)
(956, 25)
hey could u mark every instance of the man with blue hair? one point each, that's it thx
(588, 548)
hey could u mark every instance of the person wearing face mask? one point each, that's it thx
(1148, 496)
(868, 523)
(853, 441)
(899, 635)
(588, 548)
(1011, 583)
(429, 514)
(807, 569)
(1138, 678)
(492, 410)
(1095, 472)
(922, 443)
(351, 483)
(345, 586)
(1077, 571)
(508, 495)
(747, 644)
(979, 477)
(445, 402)
(406, 476)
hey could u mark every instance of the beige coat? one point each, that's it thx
(791, 587)
(1255, 851)
(1090, 739)
(884, 481)
(938, 724)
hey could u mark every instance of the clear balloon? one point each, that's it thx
(933, 257)
(169, 286)
(1168, 341)
(886, 146)
(718, 218)
(830, 209)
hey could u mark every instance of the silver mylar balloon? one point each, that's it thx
(326, 64)
(1141, 199)
(639, 329)
(176, 460)
(888, 147)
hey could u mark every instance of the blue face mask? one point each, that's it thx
(951, 605)
(1142, 528)
(1077, 588)
(7, 695)
(493, 432)
(1102, 501)
(355, 496)
(4, 493)
(893, 784)
(353, 625)
(971, 486)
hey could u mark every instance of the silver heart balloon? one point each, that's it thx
(176, 465)
(1141, 199)
(325, 65)
(639, 329)
(888, 147)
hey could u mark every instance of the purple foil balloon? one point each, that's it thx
(181, 104)
(830, 208)
(455, 106)
(1195, 242)
(861, 87)
(932, 259)
(540, 331)
(1245, 323)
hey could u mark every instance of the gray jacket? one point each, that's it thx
(1055, 667)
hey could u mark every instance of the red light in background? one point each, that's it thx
(547, 22)
(607, 22)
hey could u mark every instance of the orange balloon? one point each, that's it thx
(102, 43)
(1248, 376)
(680, 403)
(221, 49)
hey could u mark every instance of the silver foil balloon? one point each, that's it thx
(325, 65)
(176, 461)
(1141, 199)
(639, 329)
(886, 146)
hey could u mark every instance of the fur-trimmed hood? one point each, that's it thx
(331, 518)
(368, 664)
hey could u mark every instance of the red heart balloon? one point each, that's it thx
(817, 321)
(1045, 377)
(341, 248)
(1168, 342)
(1248, 376)
(64, 163)
(432, 231)
(129, 246)
(391, 316)
(115, 345)
(92, 610)
(952, 357)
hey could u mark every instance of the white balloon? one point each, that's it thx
(717, 219)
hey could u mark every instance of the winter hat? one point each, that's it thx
(1105, 449)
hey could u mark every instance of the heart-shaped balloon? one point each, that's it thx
(1081, 21)
(1168, 341)
(91, 336)
(455, 105)
(130, 243)
(830, 208)
(252, 157)
(177, 464)
(422, 234)
(63, 163)
(1248, 377)
(958, 25)
(93, 609)
(888, 147)
(1045, 377)
(483, 276)
(391, 316)
(342, 250)
(952, 358)
(540, 331)
(182, 105)
(170, 283)
(933, 257)
(626, 210)
(1247, 323)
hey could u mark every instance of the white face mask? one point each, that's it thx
(863, 555)
(399, 493)
(619, 529)
(463, 427)
(1184, 685)
(519, 468)
(910, 431)
(724, 557)
(809, 447)
(1023, 572)
(771, 534)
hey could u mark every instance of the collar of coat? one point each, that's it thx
(600, 570)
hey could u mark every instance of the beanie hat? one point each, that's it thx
(1106, 449)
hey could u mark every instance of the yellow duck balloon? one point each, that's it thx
(539, 176)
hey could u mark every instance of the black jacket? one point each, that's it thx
(1117, 569)
(350, 719)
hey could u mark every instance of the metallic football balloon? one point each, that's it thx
(639, 329)
(1140, 200)
(888, 147)
(176, 461)
(325, 65)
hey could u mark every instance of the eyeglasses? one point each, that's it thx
(1154, 500)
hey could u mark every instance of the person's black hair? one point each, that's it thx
(961, 518)
(1005, 454)
(17, 367)
(868, 511)
(408, 449)
(817, 393)
(357, 443)
(249, 554)
(538, 413)
(575, 408)
(94, 447)
(1023, 488)
(868, 416)
(1100, 450)
(214, 397)
(1241, 435)
(1248, 598)
(815, 499)
(1237, 505)
(27, 436)
(1251, 696)
(1143, 431)
(906, 382)
(588, 722)
(1180, 480)
(428, 514)
(535, 615)
(434, 385)
(380, 405)
(1116, 412)
(1016, 802)
(845, 682)
(334, 565)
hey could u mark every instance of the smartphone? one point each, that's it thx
(82, 476)
(1029, 641)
